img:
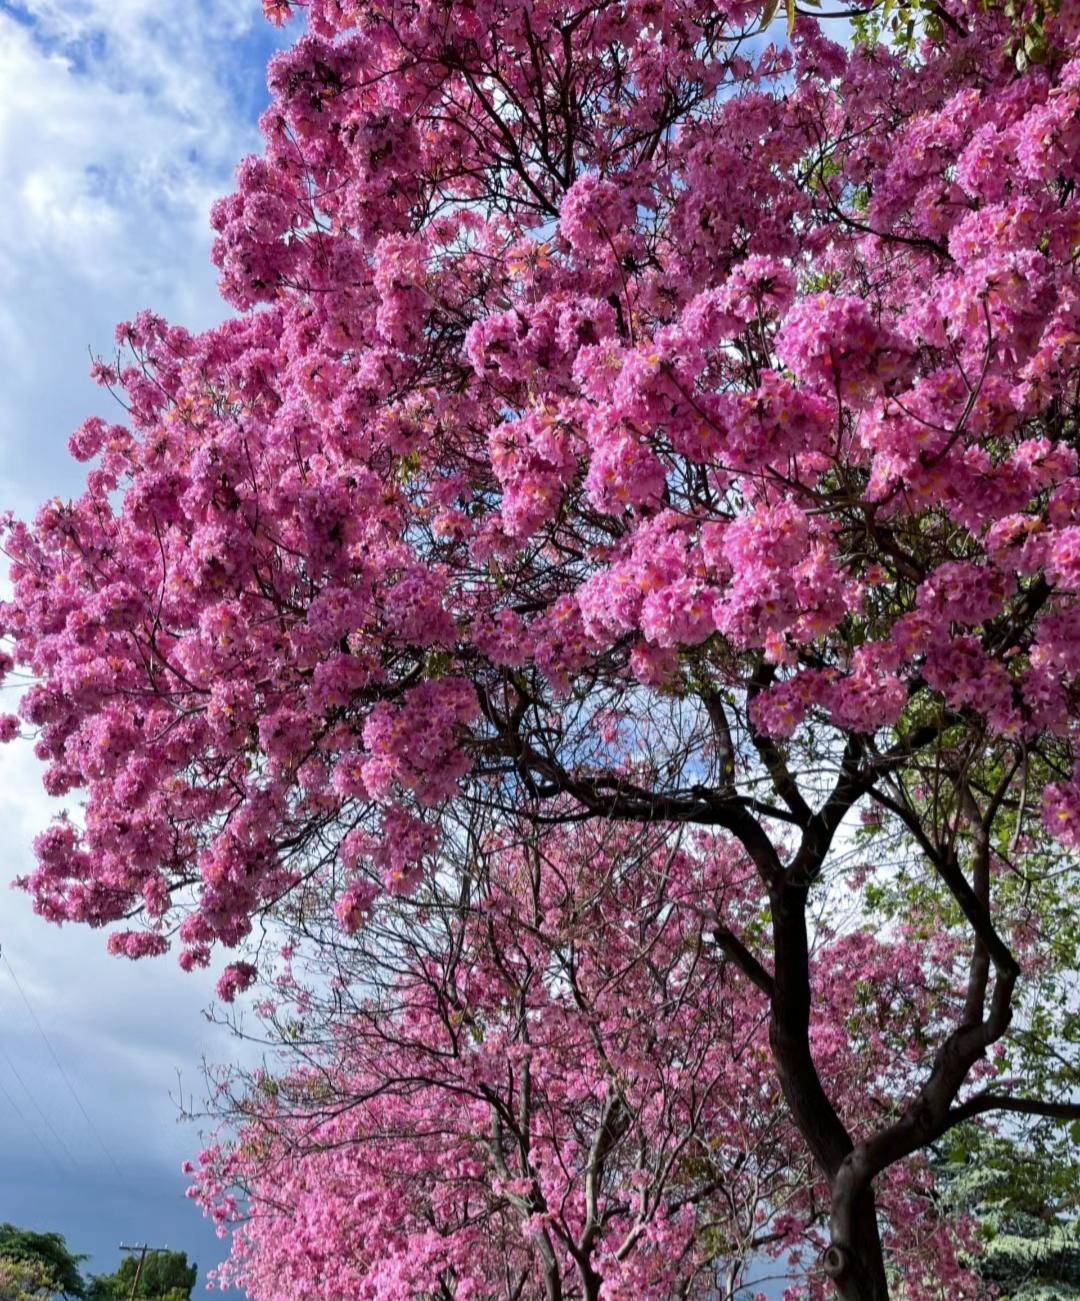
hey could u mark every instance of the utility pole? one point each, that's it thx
(143, 1250)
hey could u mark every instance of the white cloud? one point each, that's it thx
(120, 122)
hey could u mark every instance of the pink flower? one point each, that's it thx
(237, 977)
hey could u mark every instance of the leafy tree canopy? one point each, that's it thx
(165, 1276)
(1024, 1199)
(24, 1280)
(51, 1251)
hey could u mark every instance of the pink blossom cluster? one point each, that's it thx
(600, 427)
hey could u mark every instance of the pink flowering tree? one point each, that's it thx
(622, 419)
(540, 1076)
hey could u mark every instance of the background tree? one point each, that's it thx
(25, 1280)
(609, 372)
(47, 1250)
(165, 1276)
(1023, 1200)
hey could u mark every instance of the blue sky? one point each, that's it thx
(120, 122)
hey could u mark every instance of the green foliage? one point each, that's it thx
(903, 24)
(24, 1280)
(1024, 1199)
(165, 1276)
(50, 1251)
(1029, 43)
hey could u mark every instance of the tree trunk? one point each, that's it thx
(550, 1266)
(854, 1259)
(591, 1282)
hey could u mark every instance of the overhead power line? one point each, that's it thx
(57, 1137)
(27, 1126)
(60, 1066)
(35, 1103)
